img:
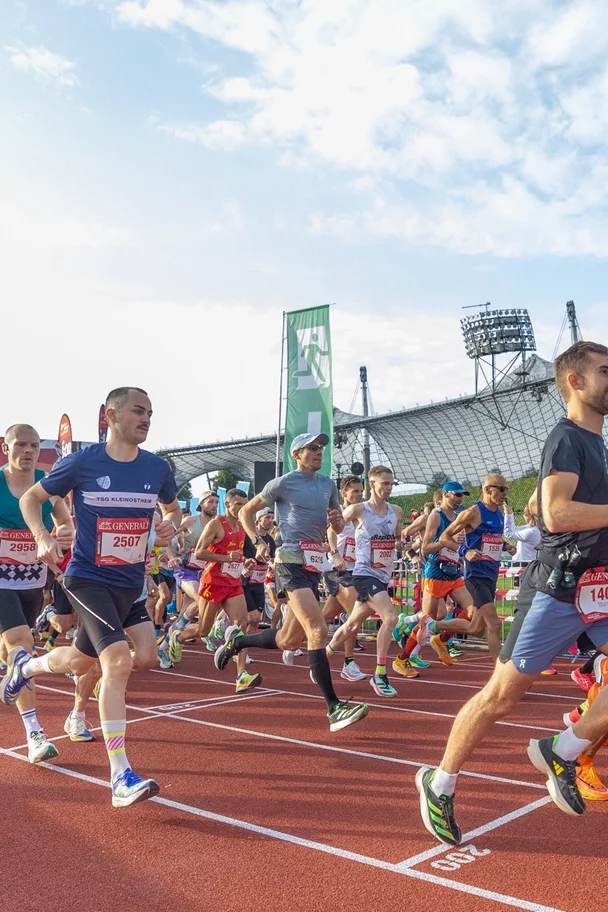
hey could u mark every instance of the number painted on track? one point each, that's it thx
(454, 860)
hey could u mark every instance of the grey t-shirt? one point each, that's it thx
(302, 503)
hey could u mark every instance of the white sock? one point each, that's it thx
(30, 721)
(78, 715)
(443, 783)
(568, 746)
(36, 666)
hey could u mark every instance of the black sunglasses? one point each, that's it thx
(502, 488)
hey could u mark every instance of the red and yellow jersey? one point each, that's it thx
(225, 571)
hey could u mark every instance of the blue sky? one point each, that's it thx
(176, 173)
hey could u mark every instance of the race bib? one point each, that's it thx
(491, 546)
(121, 541)
(258, 575)
(193, 562)
(447, 556)
(233, 569)
(592, 595)
(349, 551)
(315, 557)
(17, 546)
(383, 554)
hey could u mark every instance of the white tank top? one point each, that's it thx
(375, 544)
(346, 544)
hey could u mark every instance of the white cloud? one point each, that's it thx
(497, 112)
(44, 65)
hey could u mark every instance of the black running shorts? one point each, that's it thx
(367, 587)
(482, 590)
(105, 612)
(19, 608)
(61, 602)
(255, 596)
(333, 579)
(291, 577)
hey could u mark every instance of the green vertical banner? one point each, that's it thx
(309, 381)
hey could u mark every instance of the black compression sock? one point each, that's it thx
(266, 639)
(587, 668)
(319, 665)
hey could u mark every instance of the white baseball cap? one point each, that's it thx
(303, 440)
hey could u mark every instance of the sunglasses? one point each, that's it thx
(502, 488)
(313, 446)
(457, 493)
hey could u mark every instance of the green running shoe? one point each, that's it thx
(437, 813)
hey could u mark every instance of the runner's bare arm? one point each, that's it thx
(399, 529)
(465, 522)
(64, 525)
(415, 527)
(247, 515)
(172, 520)
(211, 535)
(533, 503)
(353, 514)
(429, 546)
(30, 504)
(561, 513)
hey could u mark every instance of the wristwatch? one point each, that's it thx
(254, 539)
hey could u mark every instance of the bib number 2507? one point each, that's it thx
(121, 541)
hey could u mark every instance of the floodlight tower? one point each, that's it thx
(497, 332)
(366, 449)
(575, 330)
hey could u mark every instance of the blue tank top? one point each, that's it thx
(487, 538)
(444, 565)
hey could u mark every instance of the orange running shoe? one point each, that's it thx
(589, 783)
(441, 649)
(549, 671)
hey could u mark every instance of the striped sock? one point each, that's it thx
(114, 736)
(30, 721)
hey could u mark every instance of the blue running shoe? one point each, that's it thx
(14, 681)
(129, 788)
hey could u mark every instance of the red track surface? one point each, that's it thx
(261, 806)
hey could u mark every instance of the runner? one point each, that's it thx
(377, 534)
(254, 578)
(569, 597)
(115, 488)
(306, 502)
(483, 525)
(188, 571)
(339, 585)
(22, 574)
(221, 547)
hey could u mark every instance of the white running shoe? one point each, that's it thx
(39, 747)
(352, 672)
(298, 652)
(76, 728)
(288, 655)
(248, 660)
(70, 634)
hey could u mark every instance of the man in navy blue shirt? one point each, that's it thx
(116, 487)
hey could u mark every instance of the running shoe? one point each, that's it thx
(400, 629)
(576, 714)
(248, 660)
(164, 660)
(437, 813)
(589, 784)
(346, 714)
(39, 747)
(227, 650)
(49, 644)
(97, 689)
(427, 628)
(70, 634)
(454, 651)
(417, 662)
(288, 655)
(13, 681)
(211, 644)
(358, 647)
(382, 686)
(77, 729)
(3, 668)
(562, 775)
(175, 648)
(404, 668)
(298, 652)
(247, 682)
(352, 672)
(440, 648)
(129, 788)
(549, 671)
(584, 681)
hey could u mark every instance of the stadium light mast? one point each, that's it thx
(575, 330)
(497, 332)
(366, 448)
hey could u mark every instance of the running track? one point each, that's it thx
(261, 807)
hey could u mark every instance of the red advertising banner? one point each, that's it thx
(64, 438)
(103, 424)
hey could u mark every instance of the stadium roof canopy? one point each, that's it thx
(502, 429)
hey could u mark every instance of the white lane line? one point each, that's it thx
(402, 709)
(318, 846)
(473, 834)
(340, 750)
